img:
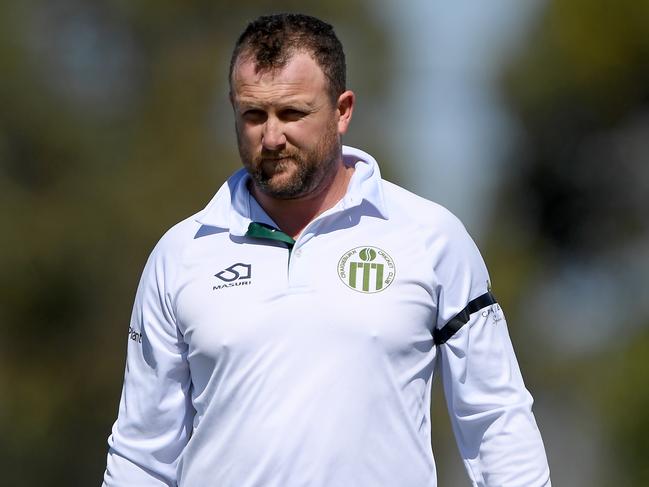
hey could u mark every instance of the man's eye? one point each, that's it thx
(292, 114)
(254, 116)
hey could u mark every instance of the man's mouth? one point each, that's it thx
(274, 165)
(275, 158)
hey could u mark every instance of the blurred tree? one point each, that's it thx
(622, 388)
(581, 91)
(578, 230)
(114, 125)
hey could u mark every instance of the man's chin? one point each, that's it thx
(278, 181)
(281, 192)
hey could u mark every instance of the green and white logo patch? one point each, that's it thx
(366, 269)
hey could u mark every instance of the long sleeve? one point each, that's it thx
(489, 406)
(155, 412)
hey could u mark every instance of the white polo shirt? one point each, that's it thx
(257, 361)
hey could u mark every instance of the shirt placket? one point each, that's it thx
(297, 269)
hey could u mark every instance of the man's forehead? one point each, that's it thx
(299, 68)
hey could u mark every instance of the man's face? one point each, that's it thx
(288, 129)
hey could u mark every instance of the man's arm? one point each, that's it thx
(155, 412)
(489, 406)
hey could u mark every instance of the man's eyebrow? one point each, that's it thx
(282, 103)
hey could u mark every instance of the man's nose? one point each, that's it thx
(273, 137)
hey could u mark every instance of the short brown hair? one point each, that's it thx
(271, 40)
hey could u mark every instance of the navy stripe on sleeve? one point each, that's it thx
(440, 335)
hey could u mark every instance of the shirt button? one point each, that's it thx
(298, 252)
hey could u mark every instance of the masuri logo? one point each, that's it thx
(238, 274)
(366, 269)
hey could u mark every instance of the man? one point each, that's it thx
(287, 334)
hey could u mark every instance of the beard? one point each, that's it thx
(293, 173)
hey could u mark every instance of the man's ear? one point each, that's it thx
(344, 109)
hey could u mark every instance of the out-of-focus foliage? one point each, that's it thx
(581, 91)
(625, 396)
(574, 213)
(114, 125)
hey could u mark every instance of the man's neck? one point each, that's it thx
(293, 215)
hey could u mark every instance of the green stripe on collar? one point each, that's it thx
(267, 232)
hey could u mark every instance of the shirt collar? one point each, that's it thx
(233, 207)
(366, 183)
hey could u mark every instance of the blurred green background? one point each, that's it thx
(114, 125)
